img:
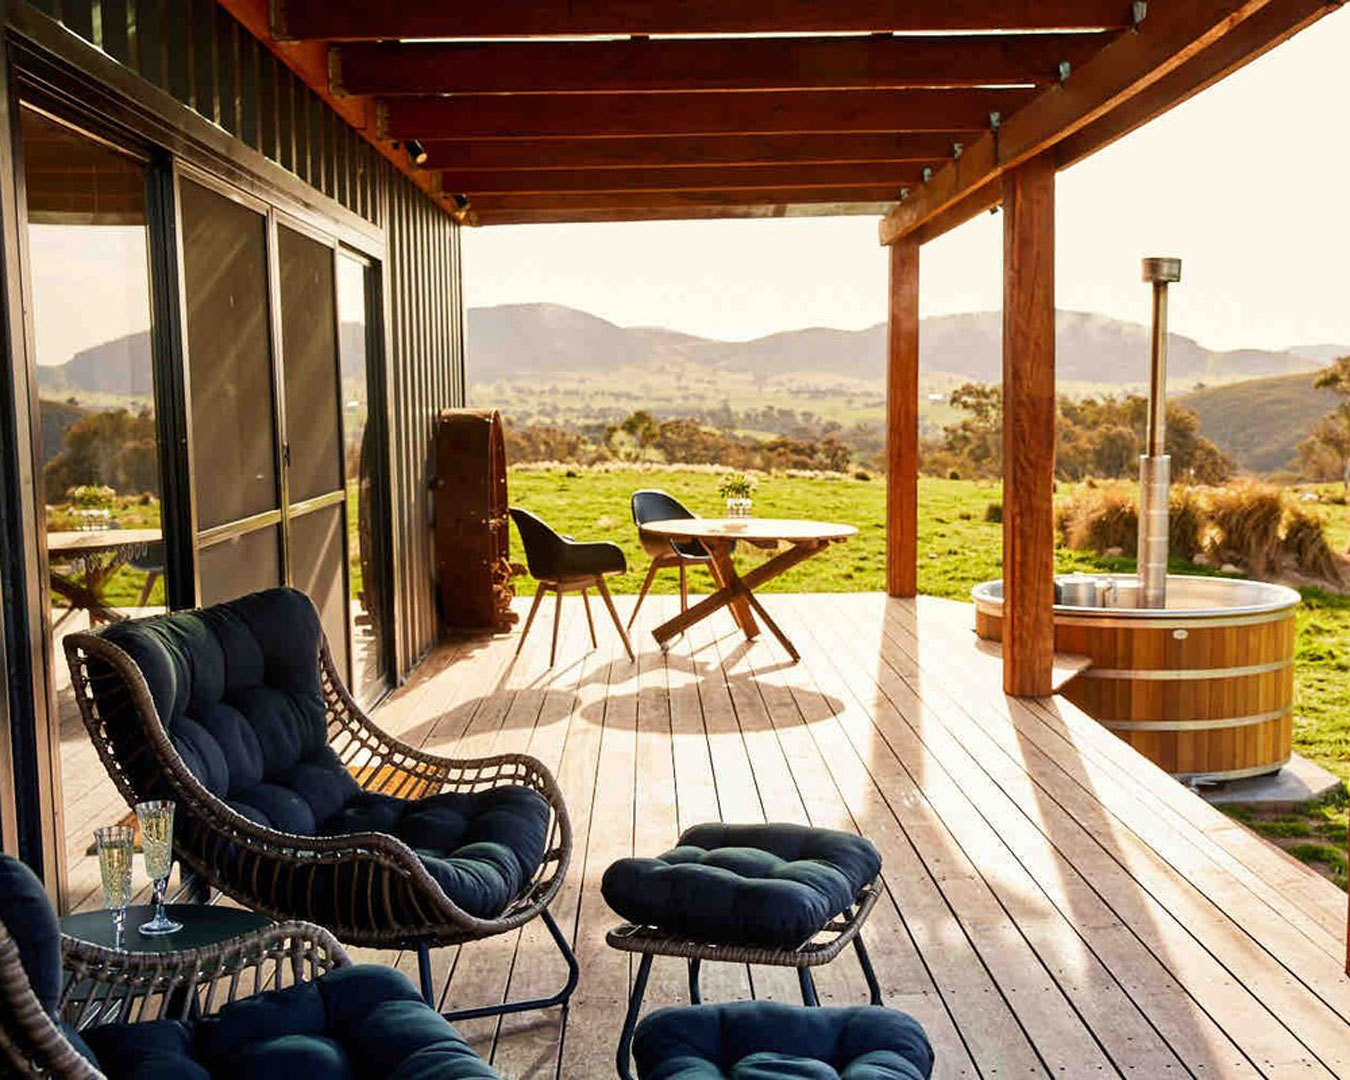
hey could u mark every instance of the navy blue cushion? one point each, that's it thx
(237, 688)
(359, 1022)
(482, 847)
(31, 922)
(772, 885)
(154, 1050)
(767, 1040)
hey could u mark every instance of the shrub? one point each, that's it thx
(1186, 523)
(994, 513)
(1303, 541)
(1101, 518)
(1246, 519)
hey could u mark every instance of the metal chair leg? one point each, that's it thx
(424, 973)
(624, 1055)
(562, 997)
(865, 961)
(695, 994)
(809, 995)
(529, 619)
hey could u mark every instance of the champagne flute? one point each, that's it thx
(116, 848)
(156, 818)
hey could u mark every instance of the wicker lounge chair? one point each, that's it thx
(284, 999)
(292, 802)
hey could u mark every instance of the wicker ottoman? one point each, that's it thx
(781, 895)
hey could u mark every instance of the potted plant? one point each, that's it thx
(737, 489)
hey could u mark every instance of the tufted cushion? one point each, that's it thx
(237, 689)
(352, 1024)
(482, 847)
(766, 1040)
(768, 885)
(31, 922)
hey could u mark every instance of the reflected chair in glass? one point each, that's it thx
(291, 801)
(289, 993)
(561, 564)
(651, 504)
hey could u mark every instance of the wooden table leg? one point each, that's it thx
(724, 573)
(773, 627)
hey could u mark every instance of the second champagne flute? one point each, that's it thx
(156, 820)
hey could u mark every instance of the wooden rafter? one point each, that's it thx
(646, 66)
(1181, 43)
(691, 151)
(675, 213)
(387, 20)
(637, 200)
(615, 115)
(894, 175)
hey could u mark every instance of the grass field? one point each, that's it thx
(958, 547)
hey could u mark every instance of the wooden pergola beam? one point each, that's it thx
(894, 175)
(958, 112)
(646, 66)
(676, 213)
(1180, 40)
(686, 151)
(641, 200)
(390, 20)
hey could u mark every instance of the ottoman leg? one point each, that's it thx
(809, 995)
(695, 995)
(865, 961)
(624, 1056)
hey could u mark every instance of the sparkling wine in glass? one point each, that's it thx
(156, 819)
(115, 845)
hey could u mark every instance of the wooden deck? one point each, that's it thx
(1054, 904)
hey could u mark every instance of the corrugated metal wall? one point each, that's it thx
(427, 344)
(203, 57)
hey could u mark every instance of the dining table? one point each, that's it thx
(794, 541)
(88, 559)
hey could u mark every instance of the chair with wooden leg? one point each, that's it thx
(560, 565)
(653, 505)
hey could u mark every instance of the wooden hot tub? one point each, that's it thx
(1203, 687)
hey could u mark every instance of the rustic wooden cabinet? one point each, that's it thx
(472, 522)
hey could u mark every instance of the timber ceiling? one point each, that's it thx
(621, 110)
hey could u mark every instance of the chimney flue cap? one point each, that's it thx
(1165, 271)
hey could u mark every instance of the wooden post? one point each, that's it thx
(902, 422)
(1028, 427)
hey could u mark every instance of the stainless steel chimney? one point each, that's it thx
(1155, 466)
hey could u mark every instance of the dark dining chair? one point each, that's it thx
(561, 564)
(651, 504)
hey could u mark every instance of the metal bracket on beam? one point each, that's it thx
(957, 150)
(995, 120)
(904, 194)
(927, 173)
(1065, 69)
(1138, 12)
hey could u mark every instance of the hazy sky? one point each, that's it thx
(1247, 183)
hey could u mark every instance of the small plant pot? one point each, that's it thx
(739, 507)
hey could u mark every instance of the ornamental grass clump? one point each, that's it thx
(1102, 519)
(1246, 520)
(1303, 542)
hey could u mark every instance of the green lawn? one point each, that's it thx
(958, 547)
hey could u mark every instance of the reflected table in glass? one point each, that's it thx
(88, 561)
(800, 539)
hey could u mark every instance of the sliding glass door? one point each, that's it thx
(263, 380)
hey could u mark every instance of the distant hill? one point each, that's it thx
(1261, 421)
(539, 339)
